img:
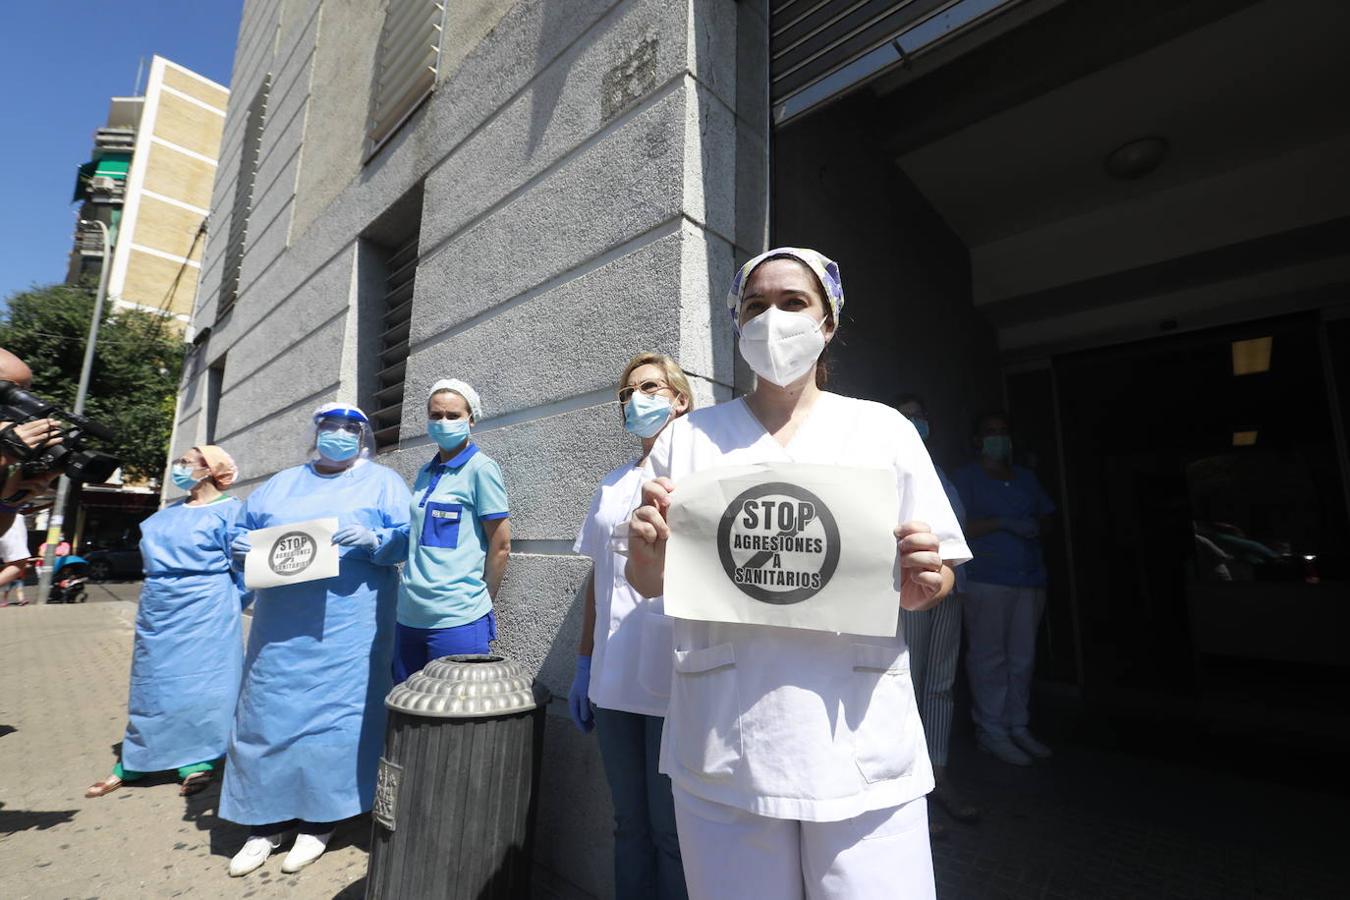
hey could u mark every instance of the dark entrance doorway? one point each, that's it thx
(1206, 503)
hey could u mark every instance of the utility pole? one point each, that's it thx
(56, 518)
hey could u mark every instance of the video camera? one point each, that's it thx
(70, 457)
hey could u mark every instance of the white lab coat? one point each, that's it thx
(787, 723)
(631, 661)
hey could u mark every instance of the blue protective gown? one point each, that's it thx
(189, 652)
(310, 722)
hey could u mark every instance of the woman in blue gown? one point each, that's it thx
(310, 721)
(188, 651)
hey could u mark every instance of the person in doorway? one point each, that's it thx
(797, 756)
(456, 543)
(188, 655)
(934, 639)
(1005, 591)
(310, 721)
(622, 681)
(14, 559)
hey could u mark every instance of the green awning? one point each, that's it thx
(114, 165)
(111, 165)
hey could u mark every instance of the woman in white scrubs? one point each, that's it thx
(624, 658)
(798, 757)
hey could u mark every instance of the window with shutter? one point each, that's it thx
(409, 54)
(249, 153)
(395, 326)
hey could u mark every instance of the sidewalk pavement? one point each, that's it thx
(1093, 823)
(62, 712)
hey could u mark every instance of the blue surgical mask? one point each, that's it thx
(997, 446)
(646, 414)
(338, 446)
(182, 477)
(921, 426)
(448, 433)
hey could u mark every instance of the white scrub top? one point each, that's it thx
(631, 662)
(788, 723)
(14, 543)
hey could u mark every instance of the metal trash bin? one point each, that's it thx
(456, 794)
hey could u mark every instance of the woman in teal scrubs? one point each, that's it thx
(457, 541)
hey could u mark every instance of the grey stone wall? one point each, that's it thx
(591, 172)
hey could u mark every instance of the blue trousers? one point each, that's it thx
(646, 847)
(418, 646)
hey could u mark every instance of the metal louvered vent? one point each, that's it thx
(818, 49)
(249, 153)
(395, 324)
(410, 52)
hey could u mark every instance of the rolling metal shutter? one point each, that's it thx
(410, 51)
(818, 49)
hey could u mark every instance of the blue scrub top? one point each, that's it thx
(1002, 557)
(309, 724)
(445, 544)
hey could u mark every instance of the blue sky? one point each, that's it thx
(60, 61)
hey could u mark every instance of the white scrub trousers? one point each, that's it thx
(733, 854)
(1001, 625)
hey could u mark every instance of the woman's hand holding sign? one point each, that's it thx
(647, 536)
(924, 580)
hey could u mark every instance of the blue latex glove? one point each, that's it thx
(239, 549)
(578, 703)
(1024, 528)
(357, 536)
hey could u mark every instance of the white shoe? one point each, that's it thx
(253, 854)
(307, 848)
(1023, 738)
(1003, 750)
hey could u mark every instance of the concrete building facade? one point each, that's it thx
(150, 181)
(555, 187)
(1098, 214)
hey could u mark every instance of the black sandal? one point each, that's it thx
(194, 783)
(956, 806)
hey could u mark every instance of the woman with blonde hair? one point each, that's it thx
(189, 652)
(623, 670)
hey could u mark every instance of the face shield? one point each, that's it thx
(342, 435)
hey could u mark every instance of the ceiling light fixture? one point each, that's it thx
(1136, 158)
(1252, 357)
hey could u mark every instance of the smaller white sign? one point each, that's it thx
(291, 554)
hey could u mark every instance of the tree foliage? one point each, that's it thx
(136, 366)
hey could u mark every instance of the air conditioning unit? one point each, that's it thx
(103, 184)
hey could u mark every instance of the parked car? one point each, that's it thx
(114, 564)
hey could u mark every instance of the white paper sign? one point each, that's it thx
(786, 544)
(291, 554)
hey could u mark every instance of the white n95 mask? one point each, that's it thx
(781, 346)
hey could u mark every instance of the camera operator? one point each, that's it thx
(36, 433)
